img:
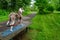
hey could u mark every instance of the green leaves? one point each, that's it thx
(41, 4)
(3, 4)
(49, 5)
(14, 4)
(22, 3)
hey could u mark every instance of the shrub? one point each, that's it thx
(50, 8)
(26, 11)
(3, 12)
(58, 9)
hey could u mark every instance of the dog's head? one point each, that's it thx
(12, 16)
(20, 10)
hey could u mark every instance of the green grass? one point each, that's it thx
(45, 27)
(3, 18)
(3, 12)
(3, 15)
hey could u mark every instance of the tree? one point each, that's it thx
(41, 4)
(58, 6)
(22, 3)
(3, 4)
(14, 4)
(49, 5)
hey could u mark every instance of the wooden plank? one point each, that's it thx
(12, 34)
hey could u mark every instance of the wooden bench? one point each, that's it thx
(7, 34)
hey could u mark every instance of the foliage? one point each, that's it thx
(34, 8)
(22, 3)
(57, 4)
(58, 9)
(50, 5)
(27, 11)
(41, 4)
(3, 12)
(50, 8)
(3, 4)
(13, 4)
(3, 18)
(45, 27)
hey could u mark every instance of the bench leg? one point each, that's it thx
(27, 29)
(4, 39)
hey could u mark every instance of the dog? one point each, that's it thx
(15, 18)
(20, 11)
(20, 16)
(11, 21)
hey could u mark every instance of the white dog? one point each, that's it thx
(20, 11)
(11, 20)
(13, 17)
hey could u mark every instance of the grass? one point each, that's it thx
(3, 12)
(3, 18)
(45, 27)
(3, 15)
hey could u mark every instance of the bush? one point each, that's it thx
(3, 12)
(50, 8)
(26, 11)
(3, 4)
(58, 9)
(46, 10)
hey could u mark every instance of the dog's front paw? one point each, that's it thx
(11, 30)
